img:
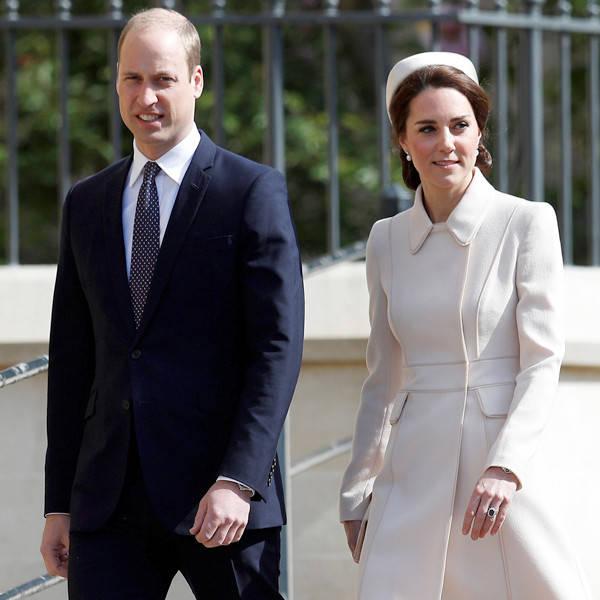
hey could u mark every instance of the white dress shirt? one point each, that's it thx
(173, 166)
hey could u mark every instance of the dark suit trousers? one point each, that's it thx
(133, 557)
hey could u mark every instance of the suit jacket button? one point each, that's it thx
(126, 405)
(136, 354)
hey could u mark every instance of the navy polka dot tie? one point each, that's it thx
(146, 241)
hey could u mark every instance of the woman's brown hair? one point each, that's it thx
(437, 77)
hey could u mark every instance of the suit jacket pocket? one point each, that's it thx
(215, 254)
(214, 242)
(495, 400)
(398, 407)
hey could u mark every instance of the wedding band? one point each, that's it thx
(491, 512)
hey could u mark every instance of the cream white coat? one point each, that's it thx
(464, 357)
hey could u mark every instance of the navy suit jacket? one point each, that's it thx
(208, 376)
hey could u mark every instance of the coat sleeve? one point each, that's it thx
(384, 359)
(539, 320)
(273, 323)
(70, 373)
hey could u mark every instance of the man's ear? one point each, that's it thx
(198, 81)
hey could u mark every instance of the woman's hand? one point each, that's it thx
(494, 490)
(351, 528)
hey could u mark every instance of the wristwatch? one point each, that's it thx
(245, 488)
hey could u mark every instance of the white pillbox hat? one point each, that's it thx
(403, 68)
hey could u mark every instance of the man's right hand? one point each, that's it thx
(55, 544)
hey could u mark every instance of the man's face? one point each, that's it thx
(156, 92)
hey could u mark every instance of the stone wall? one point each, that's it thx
(323, 412)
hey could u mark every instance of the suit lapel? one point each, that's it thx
(190, 196)
(115, 246)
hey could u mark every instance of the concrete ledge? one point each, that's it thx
(26, 303)
(337, 323)
(337, 310)
(333, 351)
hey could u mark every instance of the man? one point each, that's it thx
(174, 350)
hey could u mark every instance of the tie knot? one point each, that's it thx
(151, 170)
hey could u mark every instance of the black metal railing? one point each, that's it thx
(23, 370)
(31, 588)
(14, 374)
(36, 366)
(526, 56)
(39, 365)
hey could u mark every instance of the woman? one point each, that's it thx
(463, 359)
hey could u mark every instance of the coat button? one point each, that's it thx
(136, 354)
(126, 405)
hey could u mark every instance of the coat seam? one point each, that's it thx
(461, 362)
(376, 526)
(462, 420)
(500, 536)
(487, 278)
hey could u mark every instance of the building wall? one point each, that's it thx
(323, 411)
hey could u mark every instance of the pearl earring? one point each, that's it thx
(408, 157)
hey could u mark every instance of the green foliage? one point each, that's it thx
(90, 95)
(91, 98)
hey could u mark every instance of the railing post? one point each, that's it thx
(594, 110)
(274, 153)
(218, 73)
(434, 7)
(536, 105)
(474, 34)
(115, 8)
(64, 148)
(331, 98)
(501, 102)
(273, 81)
(12, 141)
(566, 160)
(286, 583)
(382, 7)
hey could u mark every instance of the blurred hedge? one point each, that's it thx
(305, 118)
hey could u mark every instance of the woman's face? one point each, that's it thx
(441, 136)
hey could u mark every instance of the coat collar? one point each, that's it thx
(464, 221)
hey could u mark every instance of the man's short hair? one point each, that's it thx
(167, 19)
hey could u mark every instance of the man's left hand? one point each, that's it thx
(222, 515)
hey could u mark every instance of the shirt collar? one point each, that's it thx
(173, 163)
(464, 221)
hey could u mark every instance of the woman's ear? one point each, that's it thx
(402, 145)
